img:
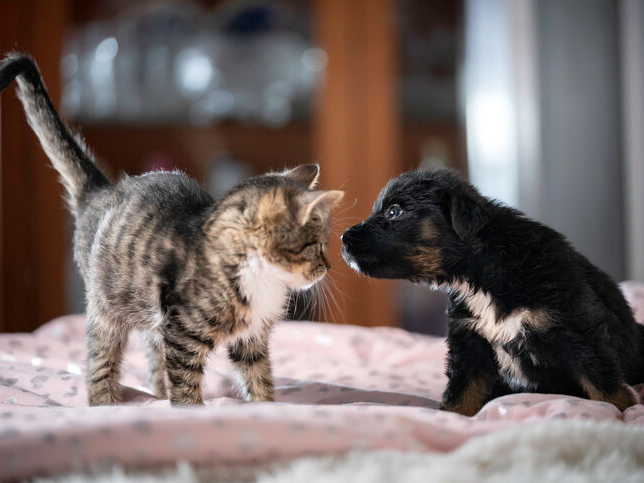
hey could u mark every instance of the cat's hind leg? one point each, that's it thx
(251, 358)
(106, 340)
(156, 365)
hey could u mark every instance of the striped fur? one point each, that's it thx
(158, 254)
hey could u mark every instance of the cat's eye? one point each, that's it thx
(394, 211)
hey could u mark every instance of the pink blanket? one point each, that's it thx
(337, 388)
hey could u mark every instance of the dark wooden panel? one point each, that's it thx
(358, 135)
(126, 148)
(15, 206)
(33, 217)
(421, 138)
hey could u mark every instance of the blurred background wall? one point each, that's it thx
(539, 102)
(553, 102)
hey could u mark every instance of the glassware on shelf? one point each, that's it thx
(172, 61)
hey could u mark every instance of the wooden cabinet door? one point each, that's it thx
(357, 134)
(32, 212)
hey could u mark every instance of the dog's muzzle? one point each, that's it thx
(350, 240)
(350, 235)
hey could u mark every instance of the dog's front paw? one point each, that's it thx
(464, 409)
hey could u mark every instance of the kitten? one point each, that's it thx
(158, 254)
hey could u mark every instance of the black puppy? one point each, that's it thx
(527, 312)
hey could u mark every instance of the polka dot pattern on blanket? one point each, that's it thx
(337, 388)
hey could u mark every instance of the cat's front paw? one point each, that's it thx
(262, 398)
(105, 398)
(267, 395)
(254, 392)
(185, 395)
(185, 400)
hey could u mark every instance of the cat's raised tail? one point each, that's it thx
(67, 153)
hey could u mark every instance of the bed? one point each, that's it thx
(342, 391)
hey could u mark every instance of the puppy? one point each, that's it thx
(527, 312)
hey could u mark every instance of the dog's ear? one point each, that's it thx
(467, 215)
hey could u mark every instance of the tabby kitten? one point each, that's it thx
(158, 254)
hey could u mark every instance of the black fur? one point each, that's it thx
(582, 339)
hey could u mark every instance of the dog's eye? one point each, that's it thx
(394, 211)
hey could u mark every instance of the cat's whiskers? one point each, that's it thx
(332, 291)
(320, 301)
(324, 299)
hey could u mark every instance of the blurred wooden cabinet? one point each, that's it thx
(32, 214)
(356, 133)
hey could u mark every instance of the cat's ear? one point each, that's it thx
(309, 200)
(307, 174)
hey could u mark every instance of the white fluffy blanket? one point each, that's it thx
(554, 451)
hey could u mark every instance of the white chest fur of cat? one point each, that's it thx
(266, 287)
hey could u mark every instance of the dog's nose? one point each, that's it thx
(350, 234)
